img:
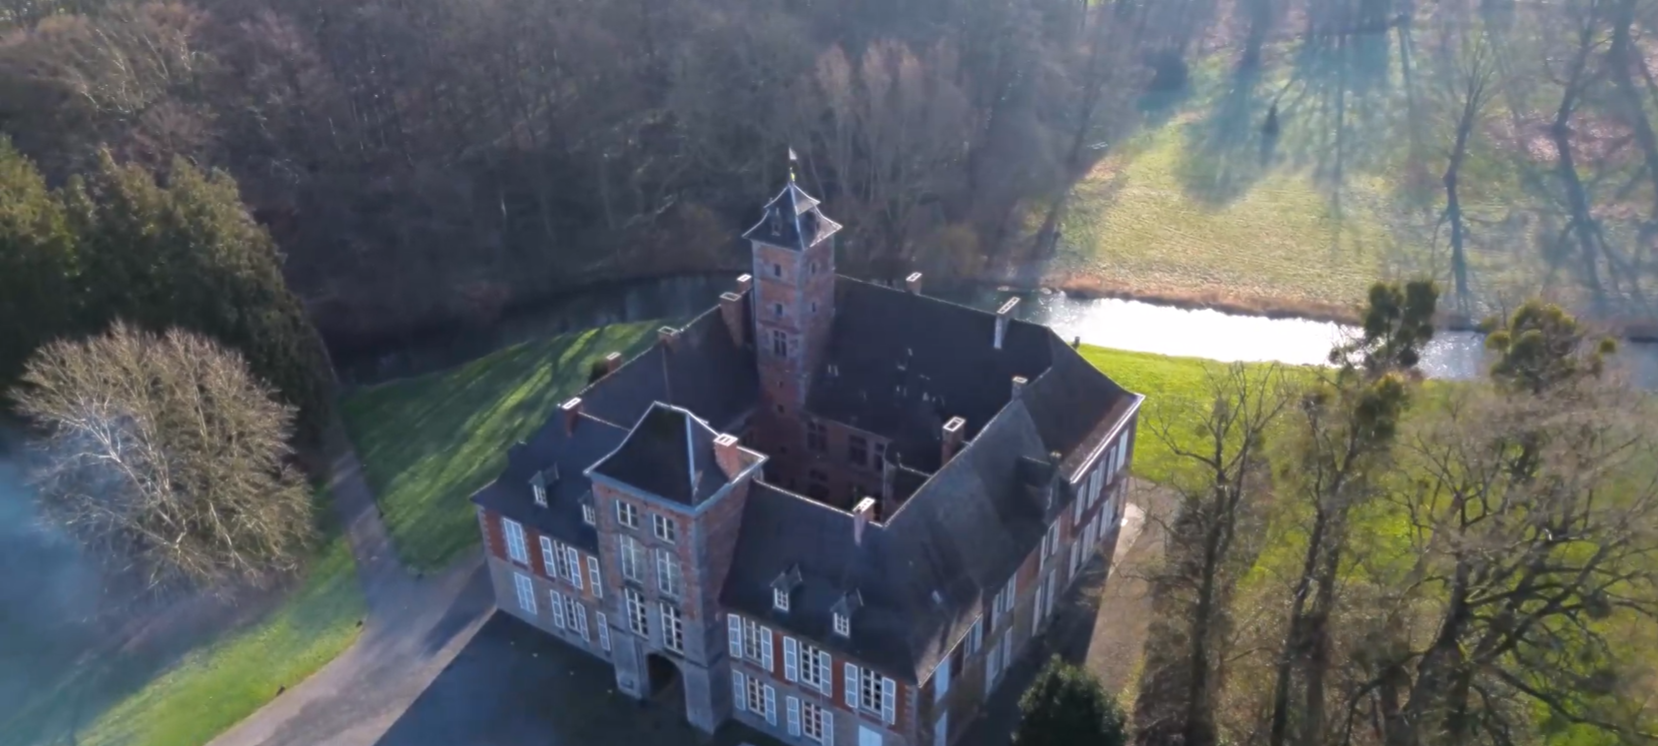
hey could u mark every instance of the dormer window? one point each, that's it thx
(589, 516)
(538, 485)
(843, 611)
(780, 599)
(783, 586)
(843, 625)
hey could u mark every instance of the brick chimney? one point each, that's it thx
(731, 312)
(670, 336)
(1002, 315)
(1019, 385)
(954, 431)
(913, 283)
(572, 412)
(612, 362)
(744, 282)
(862, 514)
(728, 454)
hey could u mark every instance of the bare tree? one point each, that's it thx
(1469, 89)
(167, 457)
(1213, 539)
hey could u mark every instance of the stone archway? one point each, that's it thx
(664, 684)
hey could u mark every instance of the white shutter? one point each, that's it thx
(593, 576)
(889, 701)
(978, 634)
(851, 686)
(604, 630)
(765, 648)
(1076, 507)
(578, 616)
(735, 624)
(1042, 556)
(526, 592)
(825, 679)
(828, 725)
(794, 716)
(771, 705)
(1036, 610)
(737, 691)
(558, 610)
(514, 533)
(547, 558)
(941, 679)
(791, 659)
(573, 558)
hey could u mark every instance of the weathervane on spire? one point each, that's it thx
(793, 159)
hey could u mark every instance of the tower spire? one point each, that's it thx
(793, 159)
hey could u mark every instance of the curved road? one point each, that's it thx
(415, 627)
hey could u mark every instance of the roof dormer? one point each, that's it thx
(843, 611)
(783, 588)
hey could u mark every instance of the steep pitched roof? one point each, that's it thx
(792, 220)
(703, 370)
(553, 448)
(1073, 404)
(669, 453)
(922, 576)
(900, 364)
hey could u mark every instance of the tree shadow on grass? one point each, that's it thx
(427, 443)
(1338, 107)
(1224, 153)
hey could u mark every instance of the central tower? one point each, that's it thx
(794, 307)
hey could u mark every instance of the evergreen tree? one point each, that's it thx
(188, 254)
(1541, 346)
(1067, 706)
(36, 263)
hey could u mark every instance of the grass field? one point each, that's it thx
(212, 686)
(1200, 205)
(428, 443)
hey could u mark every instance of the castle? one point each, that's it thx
(832, 510)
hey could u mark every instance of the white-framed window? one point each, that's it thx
(526, 592)
(869, 691)
(1122, 451)
(578, 615)
(843, 625)
(517, 550)
(815, 722)
(603, 624)
(632, 557)
(665, 528)
(552, 558)
(780, 599)
(941, 679)
(814, 668)
(627, 514)
(975, 639)
(673, 629)
(593, 576)
(779, 343)
(670, 577)
(540, 491)
(637, 619)
(589, 516)
(572, 565)
(558, 608)
(754, 695)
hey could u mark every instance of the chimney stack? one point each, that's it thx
(862, 513)
(1018, 385)
(731, 312)
(913, 283)
(572, 411)
(744, 282)
(954, 431)
(668, 335)
(1002, 315)
(728, 454)
(612, 362)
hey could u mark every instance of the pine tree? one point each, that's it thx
(36, 263)
(1067, 706)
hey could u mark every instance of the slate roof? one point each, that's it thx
(669, 453)
(792, 220)
(900, 365)
(703, 370)
(571, 452)
(924, 575)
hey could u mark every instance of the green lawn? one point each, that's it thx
(428, 443)
(211, 687)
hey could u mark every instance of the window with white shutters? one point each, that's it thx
(754, 696)
(794, 716)
(734, 631)
(814, 668)
(791, 659)
(815, 723)
(756, 643)
(551, 559)
(604, 630)
(771, 705)
(851, 689)
(573, 566)
(558, 609)
(941, 679)
(526, 591)
(578, 616)
(593, 576)
(517, 550)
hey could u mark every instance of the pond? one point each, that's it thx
(1121, 324)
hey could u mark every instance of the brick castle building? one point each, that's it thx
(829, 509)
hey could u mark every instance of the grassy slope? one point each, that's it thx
(428, 443)
(213, 686)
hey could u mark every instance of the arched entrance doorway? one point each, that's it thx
(667, 688)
